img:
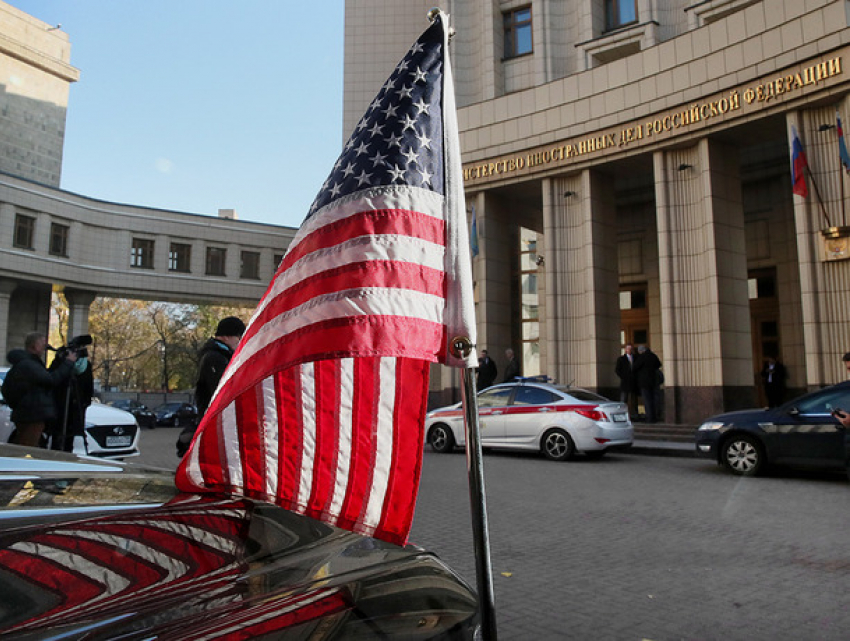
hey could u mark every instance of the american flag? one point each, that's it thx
(322, 407)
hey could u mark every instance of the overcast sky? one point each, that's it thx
(201, 105)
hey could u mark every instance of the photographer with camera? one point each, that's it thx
(28, 388)
(73, 397)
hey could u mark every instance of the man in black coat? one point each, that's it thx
(215, 355)
(487, 371)
(625, 371)
(28, 389)
(72, 399)
(646, 371)
(512, 369)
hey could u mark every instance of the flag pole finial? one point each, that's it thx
(433, 13)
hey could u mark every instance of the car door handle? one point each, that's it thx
(545, 409)
(495, 412)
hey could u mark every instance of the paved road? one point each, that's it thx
(641, 547)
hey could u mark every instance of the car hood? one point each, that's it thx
(744, 416)
(108, 415)
(97, 550)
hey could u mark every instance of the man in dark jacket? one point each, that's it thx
(28, 389)
(512, 369)
(646, 371)
(72, 400)
(625, 371)
(487, 371)
(215, 355)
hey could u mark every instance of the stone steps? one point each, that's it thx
(664, 432)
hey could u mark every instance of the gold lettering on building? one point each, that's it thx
(691, 115)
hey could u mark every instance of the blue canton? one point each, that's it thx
(399, 140)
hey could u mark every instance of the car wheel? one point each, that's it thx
(441, 438)
(176, 421)
(557, 445)
(743, 455)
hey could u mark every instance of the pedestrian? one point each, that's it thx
(72, 399)
(487, 371)
(215, 355)
(512, 368)
(624, 368)
(647, 372)
(773, 376)
(28, 389)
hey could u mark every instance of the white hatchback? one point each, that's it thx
(553, 419)
(109, 432)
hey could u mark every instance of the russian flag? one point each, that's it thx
(842, 147)
(798, 165)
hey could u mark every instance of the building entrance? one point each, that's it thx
(764, 323)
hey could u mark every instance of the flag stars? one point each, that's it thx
(396, 173)
(409, 124)
(421, 107)
(376, 129)
(405, 92)
(363, 148)
(411, 156)
(393, 141)
(419, 75)
(424, 141)
(335, 190)
(378, 159)
(390, 111)
(426, 176)
(363, 178)
(349, 169)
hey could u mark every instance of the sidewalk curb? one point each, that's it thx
(662, 448)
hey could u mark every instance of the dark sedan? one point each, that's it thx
(144, 417)
(176, 414)
(800, 433)
(99, 550)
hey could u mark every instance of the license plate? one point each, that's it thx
(119, 441)
(619, 418)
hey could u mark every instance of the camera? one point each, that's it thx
(77, 345)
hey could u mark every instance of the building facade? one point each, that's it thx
(54, 240)
(629, 166)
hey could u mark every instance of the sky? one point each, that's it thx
(201, 105)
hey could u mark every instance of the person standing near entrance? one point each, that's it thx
(625, 371)
(487, 371)
(512, 368)
(646, 372)
(773, 376)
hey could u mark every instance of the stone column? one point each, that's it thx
(582, 311)
(705, 316)
(6, 288)
(79, 301)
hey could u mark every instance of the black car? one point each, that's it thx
(102, 550)
(144, 417)
(176, 414)
(800, 433)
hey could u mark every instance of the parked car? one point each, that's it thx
(800, 433)
(110, 433)
(554, 419)
(176, 414)
(96, 550)
(144, 416)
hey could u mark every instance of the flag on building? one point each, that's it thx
(798, 165)
(473, 235)
(322, 407)
(842, 146)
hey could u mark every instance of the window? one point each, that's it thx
(215, 261)
(495, 397)
(619, 13)
(179, 257)
(59, 239)
(534, 396)
(517, 32)
(250, 267)
(141, 254)
(529, 261)
(24, 231)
